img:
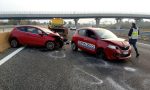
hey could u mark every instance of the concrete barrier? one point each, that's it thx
(4, 43)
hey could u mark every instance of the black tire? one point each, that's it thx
(100, 54)
(14, 43)
(74, 46)
(61, 44)
(50, 45)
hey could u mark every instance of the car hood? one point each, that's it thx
(117, 41)
(53, 34)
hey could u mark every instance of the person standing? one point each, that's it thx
(133, 37)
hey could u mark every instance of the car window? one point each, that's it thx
(105, 34)
(24, 29)
(34, 30)
(81, 32)
(90, 34)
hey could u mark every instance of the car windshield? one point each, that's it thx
(46, 30)
(105, 34)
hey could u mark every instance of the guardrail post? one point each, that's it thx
(3, 28)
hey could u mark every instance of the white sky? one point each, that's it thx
(112, 6)
(77, 6)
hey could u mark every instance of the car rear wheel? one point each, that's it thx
(14, 43)
(74, 46)
(100, 54)
(50, 45)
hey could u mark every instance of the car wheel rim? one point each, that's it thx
(14, 43)
(50, 45)
(73, 46)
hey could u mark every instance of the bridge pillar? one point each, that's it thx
(137, 21)
(76, 22)
(118, 23)
(97, 22)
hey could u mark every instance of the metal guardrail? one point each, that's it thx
(6, 28)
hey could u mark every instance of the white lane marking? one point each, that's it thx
(144, 44)
(130, 69)
(116, 85)
(100, 81)
(2, 61)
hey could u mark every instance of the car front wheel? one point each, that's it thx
(50, 45)
(74, 47)
(14, 43)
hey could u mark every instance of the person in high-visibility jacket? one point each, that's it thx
(133, 37)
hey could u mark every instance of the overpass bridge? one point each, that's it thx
(75, 16)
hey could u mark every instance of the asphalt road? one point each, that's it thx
(38, 69)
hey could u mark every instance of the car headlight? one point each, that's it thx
(112, 47)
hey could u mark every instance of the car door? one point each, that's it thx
(34, 36)
(80, 39)
(22, 35)
(90, 41)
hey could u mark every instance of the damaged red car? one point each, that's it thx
(35, 36)
(101, 42)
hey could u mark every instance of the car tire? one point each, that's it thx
(74, 46)
(50, 45)
(61, 44)
(14, 43)
(101, 54)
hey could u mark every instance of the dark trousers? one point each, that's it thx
(133, 42)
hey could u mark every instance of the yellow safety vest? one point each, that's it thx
(135, 34)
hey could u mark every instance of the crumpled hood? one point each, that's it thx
(117, 41)
(54, 34)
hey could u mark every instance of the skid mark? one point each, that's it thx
(57, 54)
(91, 78)
(115, 84)
(130, 69)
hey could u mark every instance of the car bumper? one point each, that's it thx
(118, 54)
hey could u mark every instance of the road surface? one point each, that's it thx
(38, 69)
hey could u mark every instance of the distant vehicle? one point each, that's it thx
(35, 36)
(57, 25)
(73, 28)
(101, 42)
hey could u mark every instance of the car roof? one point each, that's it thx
(92, 28)
(28, 26)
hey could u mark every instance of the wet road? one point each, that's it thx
(38, 69)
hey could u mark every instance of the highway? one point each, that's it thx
(33, 68)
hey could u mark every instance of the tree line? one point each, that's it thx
(19, 22)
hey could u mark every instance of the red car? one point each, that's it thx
(35, 36)
(101, 42)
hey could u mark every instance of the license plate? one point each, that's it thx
(126, 52)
